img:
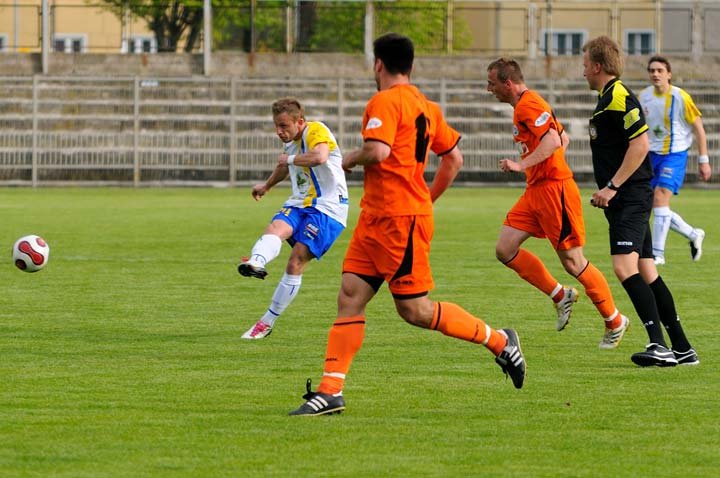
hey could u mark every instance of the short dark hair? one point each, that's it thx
(291, 106)
(660, 59)
(396, 51)
(507, 69)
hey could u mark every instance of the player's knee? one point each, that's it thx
(413, 313)
(503, 253)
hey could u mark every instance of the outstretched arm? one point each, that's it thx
(447, 170)
(279, 173)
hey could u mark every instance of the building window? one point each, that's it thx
(639, 42)
(564, 42)
(70, 43)
(140, 44)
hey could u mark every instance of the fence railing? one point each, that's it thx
(137, 131)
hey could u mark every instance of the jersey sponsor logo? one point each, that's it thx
(373, 123)
(542, 119)
(631, 117)
(624, 243)
(659, 132)
(592, 130)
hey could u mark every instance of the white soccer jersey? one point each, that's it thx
(323, 186)
(669, 117)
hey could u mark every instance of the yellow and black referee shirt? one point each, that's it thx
(618, 118)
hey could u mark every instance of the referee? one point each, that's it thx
(619, 143)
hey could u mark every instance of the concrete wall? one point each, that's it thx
(313, 65)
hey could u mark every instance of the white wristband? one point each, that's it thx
(291, 159)
(703, 159)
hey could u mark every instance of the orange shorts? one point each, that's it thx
(551, 209)
(394, 248)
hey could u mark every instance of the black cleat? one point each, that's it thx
(686, 358)
(511, 358)
(319, 403)
(655, 354)
(248, 270)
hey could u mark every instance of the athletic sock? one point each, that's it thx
(668, 315)
(265, 249)
(344, 340)
(597, 288)
(662, 217)
(285, 292)
(530, 267)
(644, 302)
(454, 321)
(679, 225)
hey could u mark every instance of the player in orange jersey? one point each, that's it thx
(550, 206)
(391, 242)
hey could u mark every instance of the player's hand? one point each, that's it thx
(704, 171)
(508, 165)
(348, 164)
(258, 191)
(602, 198)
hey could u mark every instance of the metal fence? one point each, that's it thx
(135, 131)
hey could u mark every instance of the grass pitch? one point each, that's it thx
(123, 357)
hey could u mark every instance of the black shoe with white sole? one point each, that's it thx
(655, 355)
(687, 358)
(511, 358)
(320, 403)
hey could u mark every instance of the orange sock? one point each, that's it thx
(344, 340)
(530, 267)
(454, 321)
(597, 288)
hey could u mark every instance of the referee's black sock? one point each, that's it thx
(643, 300)
(668, 315)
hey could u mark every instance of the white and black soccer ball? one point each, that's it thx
(31, 253)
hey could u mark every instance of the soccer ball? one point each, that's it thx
(31, 253)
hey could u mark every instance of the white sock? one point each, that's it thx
(284, 294)
(265, 249)
(661, 227)
(679, 225)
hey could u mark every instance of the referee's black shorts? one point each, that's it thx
(628, 216)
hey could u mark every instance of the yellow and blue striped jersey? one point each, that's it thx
(670, 117)
(323, 186)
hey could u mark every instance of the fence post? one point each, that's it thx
(136, 131)
(341, 108)
(450, 18)
(233, 134)
(34, 171)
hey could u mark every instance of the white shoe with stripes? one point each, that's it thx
(320, 403)
(565, 306)
(511, 359)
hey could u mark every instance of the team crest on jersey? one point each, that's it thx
(542, 119)
(631, 117)
(592, 130)
(373, 123)
(516, 131)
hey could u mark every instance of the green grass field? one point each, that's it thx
(123, 357)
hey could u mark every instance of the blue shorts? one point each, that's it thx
(311, 227)
(669, 170)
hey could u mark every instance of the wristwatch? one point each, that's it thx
(610, 185)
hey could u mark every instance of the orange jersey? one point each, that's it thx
(532, 120)
(404, 119)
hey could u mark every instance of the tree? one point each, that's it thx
(170, 20)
